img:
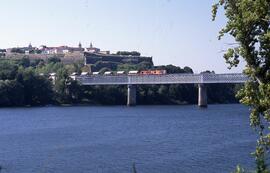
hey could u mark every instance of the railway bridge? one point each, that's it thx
(133, 80)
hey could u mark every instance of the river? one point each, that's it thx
(158, 139)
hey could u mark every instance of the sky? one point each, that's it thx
(178, 32)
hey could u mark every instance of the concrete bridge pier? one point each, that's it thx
(131, 95)
(202, 96)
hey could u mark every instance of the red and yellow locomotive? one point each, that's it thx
(152, 72)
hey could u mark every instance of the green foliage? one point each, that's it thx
(11, 93)
(104, 64)
(54, 59)
(148, 66)
(249, 24)
(126, 53)
(67, 91)
(61, 86)
(17, 50)
(8, 70)
(167, 94)
(145, 65)
(37, 62)
(222, 93)
(48, 68)
(126, 60)
(188, 69)
(74, 91)
(25, 62)
(35, 88)
(174, 69)
(127, 67)
(75, 67)
(21, 86)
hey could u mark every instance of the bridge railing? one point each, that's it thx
(224, 78)
(165, 79)
(103, 80)
(162, 79)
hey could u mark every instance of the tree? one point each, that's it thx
(8, 70)
(61, 86)
(249, 24)
(127, 53)
(172, 69)
(11, 93)
(73, 91)
(25, 62)
(144, 65)
(37, 62)
(15, 93)
(17, 50)
(54, 59)
(37, 89)
(188, 69)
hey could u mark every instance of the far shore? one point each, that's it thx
(107, 105)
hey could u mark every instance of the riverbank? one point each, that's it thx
(111, 105)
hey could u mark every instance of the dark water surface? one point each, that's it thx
(159, 139)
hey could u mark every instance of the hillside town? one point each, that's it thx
(93, 58)
(46, 50)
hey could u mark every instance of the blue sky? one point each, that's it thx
(178, 32)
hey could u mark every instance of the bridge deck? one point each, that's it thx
(162, 79)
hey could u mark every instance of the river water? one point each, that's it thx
(158, 139)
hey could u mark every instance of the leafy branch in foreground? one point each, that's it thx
(249, 24)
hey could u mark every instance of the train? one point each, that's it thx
(132, 72)
(152, 72)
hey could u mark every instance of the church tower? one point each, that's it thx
(30, 46)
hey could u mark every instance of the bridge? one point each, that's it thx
(132, 80)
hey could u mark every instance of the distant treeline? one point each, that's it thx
(26, 83)
(132, 53)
